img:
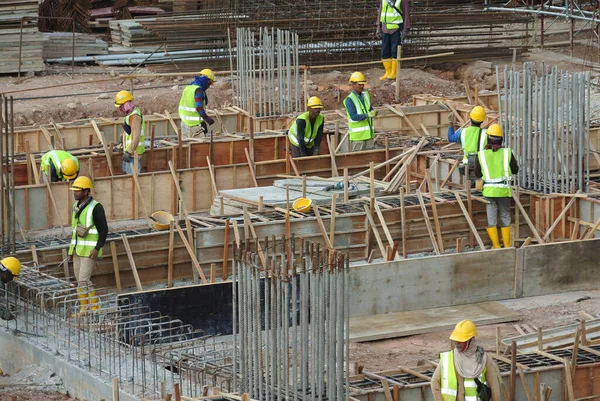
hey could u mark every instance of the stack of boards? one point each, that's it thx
(21, 44)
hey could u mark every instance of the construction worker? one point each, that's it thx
(360, 114)
(467, 372)
(10, 267)
(59, 165)
(393, 23)
(192, 105)
(134, 136)
(496, 165)
(89, 235)
(306, 131)
(472, 139)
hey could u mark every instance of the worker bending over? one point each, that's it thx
(472, 140)
(10, 267)
(58, 165)
(496, 165)
(89, 235)
(393, 23)
(192, 106)
(306, 131)
(134, 136)
(467, 372)
(360, 114)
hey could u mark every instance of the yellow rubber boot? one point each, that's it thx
(93, 300)
(387, 64)
(392, 74)
(83, 301)
(506, 236)
(493, 233)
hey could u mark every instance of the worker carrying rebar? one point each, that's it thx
(90, 230)
(306, 131)
(192, 106)
(393, 23)
(58, 165)
(496, 165)
(472, 140)
(134, 135)
(360, 113)
(467, 372)
(10, 267)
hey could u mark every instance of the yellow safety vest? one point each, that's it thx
(449, 385)
(309, 132)
(83, 246)
(468, 141)
(495, 168)
(187, 106)
(360, 130)
(56, 157)
(141, 147)
(390, 15)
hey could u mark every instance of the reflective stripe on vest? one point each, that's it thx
(128, 137)
(468, 141)
(187, 107)
(309, 132)
(495, 168)
(389, 16)
(83, 246)
(449, 381)
(56, 157)
(360, 130)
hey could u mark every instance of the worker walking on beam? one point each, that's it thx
(192, 106)
(58, 165)
(89, 235)
(10, 267)
(467, 372)
(360, 113)
(472, 139)
(134, 135)
(306, 131)
(496, 165)
(393, 23)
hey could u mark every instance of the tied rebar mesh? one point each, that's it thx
(545, 114)
(291, 321)
(267, 80)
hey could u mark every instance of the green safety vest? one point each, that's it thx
(187, 107)
(390, 16)
(360, 130)
(495, 167)
(56, 157)
(141, 148)
(309, 132)
(449, 385)
(468, 140)
(83, 246)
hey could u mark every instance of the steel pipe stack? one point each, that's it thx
(291, 322)
(545, 116)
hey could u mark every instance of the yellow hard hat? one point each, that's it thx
(358, 77)
(122, 98)
(12, 265)
(82, 182)
(314, 103)
(494, 130)
(68, 167)
(208, 73)
(302, 205)
(464, 331)
(478, 114)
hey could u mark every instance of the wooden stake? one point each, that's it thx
(136, 277)
(529, 223)
(213, 273)
(113, 251)
(177, 187)
(252, 167)
(171, 246)
(332, 221)
(141, 194)
(436, 249)
(103, 143)
(213, 182)
(225, 272)
(386, 231)
(34, 170)
(192, 254)
(560, 216)
(334, 169)
(322, 227)
(115, 389)
(469, 221)
(346, 180)
(436, 220)
(375, 231)
(403, 217)
(293, 164)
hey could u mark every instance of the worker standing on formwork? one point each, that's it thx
(496, 165)
(466, 372)
(393, 23)
(472, 139)
(134, 136)
(192, 106)
(10, 267)
(306, 131)
(58, 165)
(89, 235)
(360, 113)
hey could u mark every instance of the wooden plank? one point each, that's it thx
(136, 276)
(436, 221)
(527, 219)
(177, 187)
(322, 227)
(469, 221)
(375, 231)
(103, 143)
(402, 324)
(113, 250)
(195, 261)
(428, 223)
(334, 169)
(386, 230)
(252, 167)
(170, 256)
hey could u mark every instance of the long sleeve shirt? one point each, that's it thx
(453, 136)
(101, 225)
(354, 115)
(405, 18)
(300, 127)
(514, 166)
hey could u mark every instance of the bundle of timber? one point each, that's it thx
(130, 33)
(60, 44)
(22, 44)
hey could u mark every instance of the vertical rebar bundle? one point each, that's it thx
(545, 116)
(7, 181)
(267, 81)
(291, 322)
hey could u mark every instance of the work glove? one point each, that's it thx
(373, 113)
(451, 117)
(209, 120)
(378, 34)
(127, 157)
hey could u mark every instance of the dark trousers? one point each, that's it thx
(390, 43)
(296, 151)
